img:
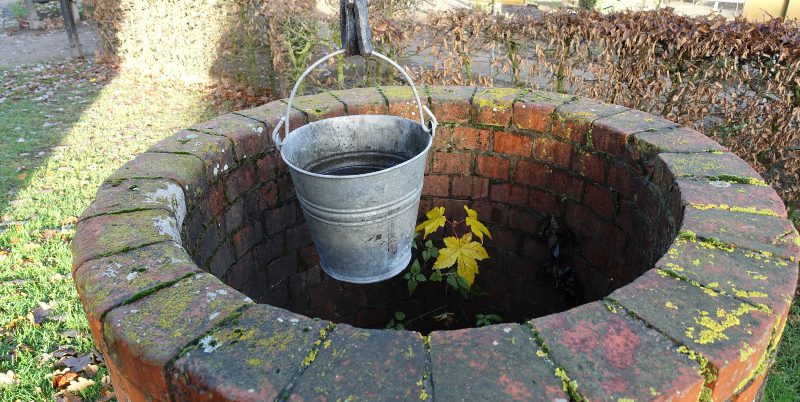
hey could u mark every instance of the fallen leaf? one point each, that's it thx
(62, 380)
(64, 351)
(70, 333)
(79, 384)
(48, 234)
(40, 314)
(91, 370)
(8, 378)
(64, 396)
(75, 363)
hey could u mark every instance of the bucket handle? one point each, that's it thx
(284, 121)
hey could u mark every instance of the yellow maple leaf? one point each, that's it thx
(463, 252)
(435, 220)
(475, 225)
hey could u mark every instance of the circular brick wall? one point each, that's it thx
(198, 274)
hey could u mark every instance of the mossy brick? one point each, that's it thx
(753, 392)
(144, 336)
(495, 363)
(717, 194)
(109, 282)
(495, 106)
(187, 171)
(715, 166)
(319, 106)
(361, 100)
(402, 103)
(364, 364)
(450, 104)
(609, 356)
(111, 234)
(730, 334)
(756, 277)
(573, 120)
(251, 358)
(647, 144)
(755, 232)
(610, 134)
(216, 152)
(248, 134)
(534, 110)
(138, 194)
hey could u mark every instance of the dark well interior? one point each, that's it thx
(247, 228)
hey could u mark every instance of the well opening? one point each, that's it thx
(570, 225)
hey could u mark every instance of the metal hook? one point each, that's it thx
(356, 33)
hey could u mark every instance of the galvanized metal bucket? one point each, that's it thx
(359, 181)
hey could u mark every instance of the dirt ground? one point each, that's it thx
(34, 46)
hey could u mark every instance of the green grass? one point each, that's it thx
(54, 153)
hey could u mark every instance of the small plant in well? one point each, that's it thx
(452, 263)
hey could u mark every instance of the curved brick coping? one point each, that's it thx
(718, 257)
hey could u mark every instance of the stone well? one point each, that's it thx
(198, 274)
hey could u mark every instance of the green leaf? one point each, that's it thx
(429, 244)
(415, 267)
(451, 280)
(421, 278)
(407, 275)
(400, 315)
(412, 286)
(436, 276)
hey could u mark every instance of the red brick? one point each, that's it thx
(534, 111)
(362, 100)
(471, 138)
(450, 163)
(582, 218)
(267, 195)
(590, 166)
(491, 213)
(524, 221)
(278, 219)
(600, 199)
(531, 173)
(512, 144)
(508, 194)
(751, 393)
(240, 181)
(246, 238)
(494, 106)
(553, 151)
(493, 167)
(544, 202)
(216, 200)
(451, 103)
(468, 186)
(595, 254)
(504, 239)
(443, 137)
(436, 185)
(536, 248)
(267, 167)
(402, 102)
(623, 181)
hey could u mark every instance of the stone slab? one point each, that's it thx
(187, 171)
(364, 364)
(144, 336)
(495, 106)
(744, 230)
(493, 363)
(450, 104)
(110, 234)
(138, 194)
(730, 196)
(732, 335)
(612, 357)
(534, 110)
(215, 151)
(251, 358)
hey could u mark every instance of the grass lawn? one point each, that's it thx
(63, 129)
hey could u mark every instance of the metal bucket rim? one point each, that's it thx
(421, 154)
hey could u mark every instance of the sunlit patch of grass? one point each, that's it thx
(70, 141)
